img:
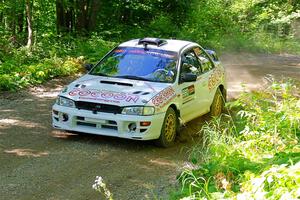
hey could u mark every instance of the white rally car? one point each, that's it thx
(144, 89)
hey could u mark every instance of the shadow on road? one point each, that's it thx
(38, 162)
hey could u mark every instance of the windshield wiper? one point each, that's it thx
(133, 77)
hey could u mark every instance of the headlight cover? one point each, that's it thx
(138, 110)
(62, 101)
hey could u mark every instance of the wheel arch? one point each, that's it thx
(223, 91)
(177, 111)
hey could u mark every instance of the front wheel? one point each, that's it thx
(217, 105)
(168, 130)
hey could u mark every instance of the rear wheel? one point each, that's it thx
(217, 105)
(168, 130)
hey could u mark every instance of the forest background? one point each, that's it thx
(42, 39)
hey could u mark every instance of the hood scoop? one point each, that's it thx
(116, 83)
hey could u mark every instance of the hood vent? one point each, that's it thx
(141, 92)
(80, 86)
(116, 83)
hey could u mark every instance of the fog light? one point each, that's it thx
(145, 123)
(55, 112)
(65, 117)
(132, 126)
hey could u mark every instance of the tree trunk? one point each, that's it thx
(1, 14)
(60, 19)
(20, 16)
(65, 16)
(94, 8)
(69, 13)
(29, 24)
(82, 7)
(12, 20)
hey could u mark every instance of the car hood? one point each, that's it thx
(115, 91)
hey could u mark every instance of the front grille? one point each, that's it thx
(110, 127)
(86, 124)
(98, 107)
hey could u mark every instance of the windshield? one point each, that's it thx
(140, 64)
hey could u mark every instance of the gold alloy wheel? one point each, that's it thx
(170, 129)
(218, 105)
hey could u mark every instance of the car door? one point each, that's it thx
(192, 93)
(205, 78)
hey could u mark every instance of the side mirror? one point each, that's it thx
(88, 66)
(188, 77)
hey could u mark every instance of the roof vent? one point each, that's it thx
(152, 41)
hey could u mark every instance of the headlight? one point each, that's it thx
(138, 110)
(62, 101)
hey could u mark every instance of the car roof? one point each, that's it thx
(168, 45)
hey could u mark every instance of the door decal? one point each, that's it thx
(164, 97)
(188, 93)
(215, 78)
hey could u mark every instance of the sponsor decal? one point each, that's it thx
(119, 50)
(188, 93)
(104, 95)
(157, 53)
(164, 97)
(215, 78)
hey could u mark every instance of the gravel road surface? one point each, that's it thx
(38, 162)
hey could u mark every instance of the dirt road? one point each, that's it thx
(38, 162)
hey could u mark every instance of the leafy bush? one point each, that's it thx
(253, 153)
(21, 67)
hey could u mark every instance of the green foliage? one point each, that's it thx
(49, 59)
(264, 26)
(24, 75)
(80, 29)
(274, 16)
(208, 21)
(261, 42)
(278, 182)
(253, 153)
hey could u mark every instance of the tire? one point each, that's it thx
(217, 105)
(168, 130)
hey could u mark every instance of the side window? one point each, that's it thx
(190, 63)
(212, 54)
(206, 63)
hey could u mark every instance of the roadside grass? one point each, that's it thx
(253, 153)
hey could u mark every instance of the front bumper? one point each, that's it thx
(109, 124)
